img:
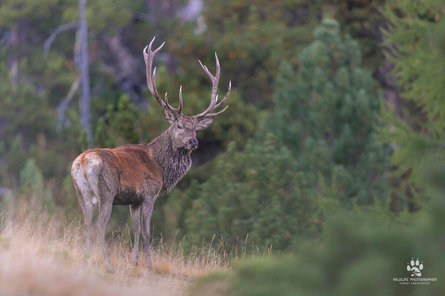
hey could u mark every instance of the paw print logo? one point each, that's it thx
(415, 267)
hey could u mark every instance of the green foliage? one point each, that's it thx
(359, 255)
(251, 38)
(362, 20)
(17, 10)
(324, 145)
(28, 102)
(103, 16)
(254, 195)
(169, 221)
(119, 125)
(237, 124)
(18, 107)
(326, 114)
(28, 129)
(32, 187)
(15, 153)
(417, 41)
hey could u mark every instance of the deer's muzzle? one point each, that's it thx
(193, 143)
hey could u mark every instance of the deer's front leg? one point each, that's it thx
(135, 212)
(147, 210)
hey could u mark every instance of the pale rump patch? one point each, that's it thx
(79, 176)
(83, 171)
(92, 159)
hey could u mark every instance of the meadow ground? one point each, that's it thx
(40, 255)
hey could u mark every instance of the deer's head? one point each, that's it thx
(183, 128)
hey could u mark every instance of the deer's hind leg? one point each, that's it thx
(102, 192)
(105, 207)
(84, 195)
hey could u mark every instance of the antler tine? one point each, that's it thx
(179, 109)
(215, 81)
(221, 102)
(167, 103)
(217, 113)
(149, 55)
(225, 97)
(153, 88)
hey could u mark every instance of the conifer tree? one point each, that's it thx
(326, 114)
(255, 195)
(416, 40)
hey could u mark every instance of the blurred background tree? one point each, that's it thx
(360, 254)
(363, 249)
(415, 45)
(255, 197)
(326, 114)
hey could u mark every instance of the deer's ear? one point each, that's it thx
(204, 123)
(170, 115)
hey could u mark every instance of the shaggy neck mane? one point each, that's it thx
(174, 164)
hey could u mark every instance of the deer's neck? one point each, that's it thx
(174, 164)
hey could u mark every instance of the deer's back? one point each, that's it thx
(125, 171)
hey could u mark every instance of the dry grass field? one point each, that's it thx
(40, 255)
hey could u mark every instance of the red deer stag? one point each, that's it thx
(136, 174)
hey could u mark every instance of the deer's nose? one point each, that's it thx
(193, 143)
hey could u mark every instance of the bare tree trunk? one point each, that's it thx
(84, 103)
(13, 61)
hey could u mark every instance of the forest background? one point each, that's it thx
(334, 136)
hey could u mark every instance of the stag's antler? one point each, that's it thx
(149, 55)
(151, 82)
(214, 97)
